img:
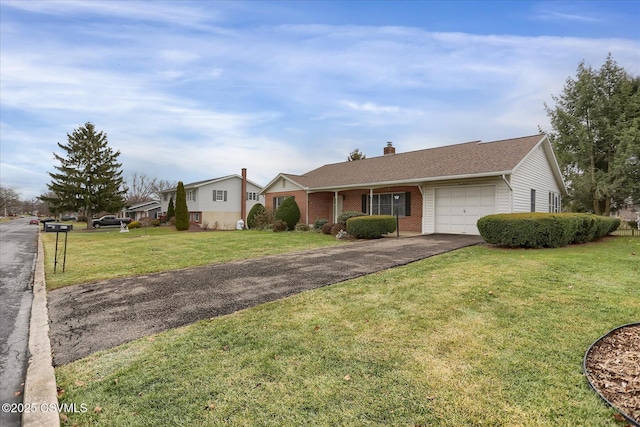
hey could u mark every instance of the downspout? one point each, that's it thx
(504, 178)
(243, 195)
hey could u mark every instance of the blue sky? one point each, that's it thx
(195, 90)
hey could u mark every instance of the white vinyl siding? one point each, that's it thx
(222, 214)
(534, 173)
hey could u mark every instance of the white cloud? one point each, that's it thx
(210, 99)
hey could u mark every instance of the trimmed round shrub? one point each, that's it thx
(289, 212)
(319, 223)
(133, 224)
(371, 227)
(279, 225)
(155, 222)
(543, 230)
(344, 216)
(326, 228)
(257, 210)
(302, 227)
(336, 228)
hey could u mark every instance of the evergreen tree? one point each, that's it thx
(289, 212)
(257, 210)
(356, 155)
(171, 211)
(596, 136)
(89, 178)
(182, 212)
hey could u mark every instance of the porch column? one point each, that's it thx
(335, 206)
(371, 201)
(307, 215)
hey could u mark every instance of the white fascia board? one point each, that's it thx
(551, 158)
(278, 177)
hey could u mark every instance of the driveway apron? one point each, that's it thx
(92, 317)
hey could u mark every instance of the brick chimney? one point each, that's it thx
(389, 149)
(243, 196)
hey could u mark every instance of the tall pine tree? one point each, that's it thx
(596, 136)
(89, 178)
(182, 211)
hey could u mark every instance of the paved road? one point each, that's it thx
(18, 248)
(92, 317)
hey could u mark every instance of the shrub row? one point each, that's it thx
(541, 230)
(371, 227)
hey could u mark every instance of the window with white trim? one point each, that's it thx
(533, 200)
(251, 195)
(387, 204)
(219, 195)
(278, 200)
(554, 202)
(191, 196)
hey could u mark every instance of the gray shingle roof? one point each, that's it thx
(468, 159)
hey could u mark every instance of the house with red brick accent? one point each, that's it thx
(435, 190)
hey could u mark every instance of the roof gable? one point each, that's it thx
(209, 181)
(461, 160)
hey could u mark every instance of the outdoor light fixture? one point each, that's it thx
(397, 197)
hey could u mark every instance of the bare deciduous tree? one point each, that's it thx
(143, 188)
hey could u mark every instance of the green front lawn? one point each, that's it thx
(106, 253)
(480, 336)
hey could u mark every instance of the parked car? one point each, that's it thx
(69, 218)
(109, 220)
(34, 221)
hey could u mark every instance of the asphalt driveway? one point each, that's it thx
(93, 317)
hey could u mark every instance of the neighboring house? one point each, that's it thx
(150, 209)
(437, 190)
(217, 203)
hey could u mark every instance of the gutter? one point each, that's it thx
(416, 181)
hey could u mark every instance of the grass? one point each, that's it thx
(480, 336)
(97, 255)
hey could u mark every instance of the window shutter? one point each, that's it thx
(365, 205)
(225, 195)
(214, 195)
(407, 203)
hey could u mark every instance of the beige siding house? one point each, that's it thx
(217, 203)
(436, 190)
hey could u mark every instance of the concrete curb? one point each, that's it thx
(40, 390)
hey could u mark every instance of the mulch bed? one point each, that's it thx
(612, 366)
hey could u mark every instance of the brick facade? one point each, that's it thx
(300, 196)
(321, 205)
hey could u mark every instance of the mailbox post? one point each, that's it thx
(59, 228)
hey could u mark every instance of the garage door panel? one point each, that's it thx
(458, 209)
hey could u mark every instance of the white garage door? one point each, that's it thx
(459, 208)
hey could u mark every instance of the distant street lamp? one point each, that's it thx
(395, 205)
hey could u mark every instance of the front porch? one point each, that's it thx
(405, 201)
